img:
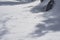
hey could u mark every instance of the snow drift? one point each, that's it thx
(30, 21)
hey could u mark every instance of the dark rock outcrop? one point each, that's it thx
(41, 0)
(50, 5)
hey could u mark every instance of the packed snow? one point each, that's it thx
(17, 22)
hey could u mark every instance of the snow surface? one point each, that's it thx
(7, 0)
(17, 22)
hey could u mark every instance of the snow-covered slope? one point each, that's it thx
(18, 22)
(7, 0)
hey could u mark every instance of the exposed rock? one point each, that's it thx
(50, 5)
(41, 0)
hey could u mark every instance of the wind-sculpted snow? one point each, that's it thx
(16, 2)
(52, 22)
(3, 28)
(19, 23)
(25, 0)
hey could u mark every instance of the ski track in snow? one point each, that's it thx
(20, 22)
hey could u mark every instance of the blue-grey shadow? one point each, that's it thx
(3, 31)
(52, 23)
(3, 28)
(14, 3)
